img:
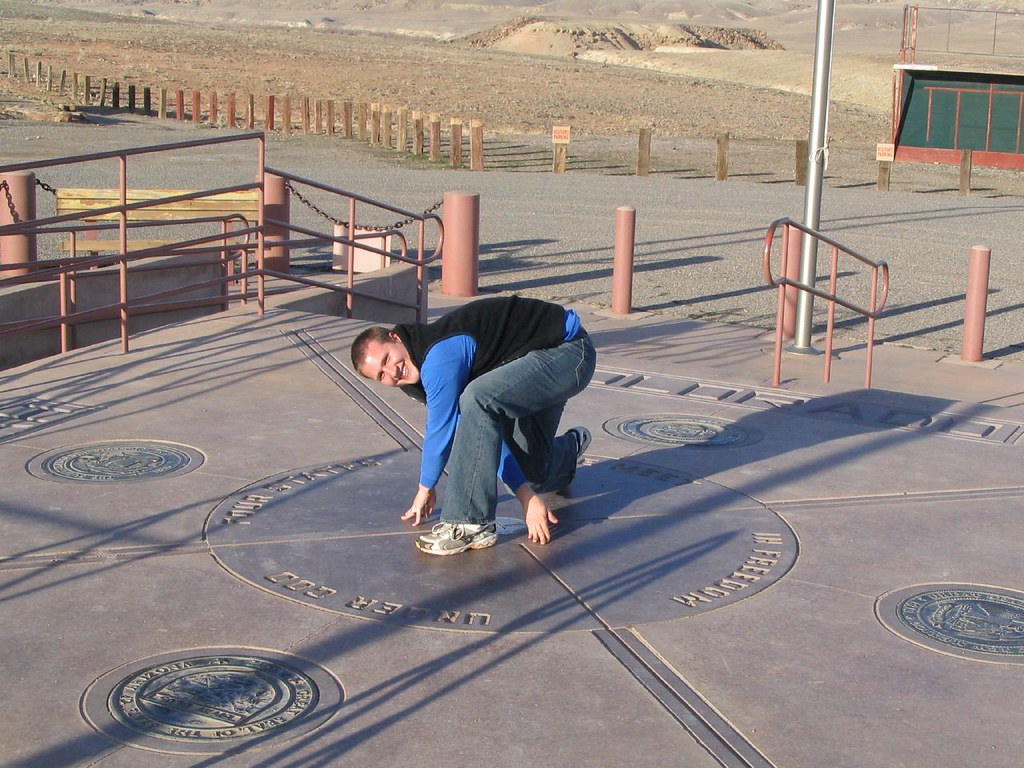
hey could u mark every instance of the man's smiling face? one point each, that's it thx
(388, 362)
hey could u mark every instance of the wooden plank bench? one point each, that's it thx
(82, 201)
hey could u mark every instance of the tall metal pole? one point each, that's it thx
(817, 149)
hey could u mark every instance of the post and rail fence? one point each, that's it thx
(454, 141)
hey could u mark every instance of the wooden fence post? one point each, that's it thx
(560, 135)
(346, 119)
(884, 174)
(801, 162)
(965, 171)
(361, 120)
(643, 153)
(115, 96)
(402, 137)
(375, 123)
(103, 93)
(250, 113)
(232, 111)
(147, 101)
(305, 114)
(318, 116)
(286, 115)
(417, 132)
(435, 137)
(197, 107)
(455, 149)
(10, 64)
(385, 125)
(330, 117)
(179, 105)
(722, 159)
(269, 117)
(49, 77)
(476, 145)
(163, 104)
(63, 81)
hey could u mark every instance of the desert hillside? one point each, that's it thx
(686, 70)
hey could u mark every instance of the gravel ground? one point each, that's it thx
(698, 242)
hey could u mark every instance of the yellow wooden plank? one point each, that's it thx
(81, 201)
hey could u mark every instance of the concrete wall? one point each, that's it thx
(98, 288)
(396, 282)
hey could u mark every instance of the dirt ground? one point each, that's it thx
(519, 85)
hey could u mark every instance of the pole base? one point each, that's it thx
(793, 349)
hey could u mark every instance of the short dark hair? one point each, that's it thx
(376, 333)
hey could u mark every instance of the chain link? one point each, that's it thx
(309, 204)
(10, 201)
(341, 222)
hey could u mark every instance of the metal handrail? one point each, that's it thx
(421, 260)
(877, 304)
(63, 270)
(122, 156)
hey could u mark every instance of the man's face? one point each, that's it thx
(388, 362)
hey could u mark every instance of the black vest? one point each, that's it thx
(504, 328)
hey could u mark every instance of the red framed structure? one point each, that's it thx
(940, 112)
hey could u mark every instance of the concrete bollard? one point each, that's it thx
(276, 205)
(622, 262)
(460, 257)
(977, 301)
(19, 194)
(792, 243)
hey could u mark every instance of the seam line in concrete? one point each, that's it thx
(687, 707)
(380, 412)
(1007, 492)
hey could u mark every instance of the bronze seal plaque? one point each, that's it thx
(970, 621)
(117, 461)
(675, 430)
(211, 700)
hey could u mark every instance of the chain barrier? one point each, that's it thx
(6, 187)
(10, 201)
(341, 222)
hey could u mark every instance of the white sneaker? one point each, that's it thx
(453, 538)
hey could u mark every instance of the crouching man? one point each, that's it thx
(495, 375)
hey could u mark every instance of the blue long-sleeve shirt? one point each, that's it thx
(444, 374)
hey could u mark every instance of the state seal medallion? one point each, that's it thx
(211, 701)
(981, 623)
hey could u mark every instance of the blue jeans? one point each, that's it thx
(521, 403)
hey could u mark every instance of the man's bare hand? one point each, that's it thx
(538, 517)
(422, 506)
